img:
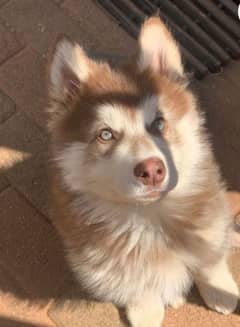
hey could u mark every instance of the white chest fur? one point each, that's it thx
(133, 261)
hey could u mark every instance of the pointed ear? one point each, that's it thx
(69, 68)
(158, 49)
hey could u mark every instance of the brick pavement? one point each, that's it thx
(36, 286)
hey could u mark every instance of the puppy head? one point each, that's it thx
(129, 134)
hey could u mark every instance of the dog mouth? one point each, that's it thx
(150, 196)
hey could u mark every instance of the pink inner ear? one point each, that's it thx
(70, 81)
(159, 63)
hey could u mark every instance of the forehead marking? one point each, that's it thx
(129, 119)
(119, 119)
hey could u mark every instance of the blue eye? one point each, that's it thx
(159, 124)
(106, 135)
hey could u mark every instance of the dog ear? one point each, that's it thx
(158, 49)
(70, 67)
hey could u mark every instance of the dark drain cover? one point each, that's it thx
(208, 31)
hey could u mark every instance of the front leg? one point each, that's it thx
(217, 287)
(146, 312)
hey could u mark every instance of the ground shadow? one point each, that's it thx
(7, 322)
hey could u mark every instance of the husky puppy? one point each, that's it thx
(137, 196)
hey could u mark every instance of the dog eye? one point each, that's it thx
(106, 135)
(159, 124)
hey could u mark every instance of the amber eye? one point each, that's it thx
(159, 124)
(105, 135)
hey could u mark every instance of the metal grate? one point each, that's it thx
(208, 31)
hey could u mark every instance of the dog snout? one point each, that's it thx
(150, 171)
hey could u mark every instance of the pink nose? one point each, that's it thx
(150, 171)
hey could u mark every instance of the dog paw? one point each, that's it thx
(147, 316)
(221, 298)
(178, 302)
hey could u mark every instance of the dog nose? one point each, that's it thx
(150, 171)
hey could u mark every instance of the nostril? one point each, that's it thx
(150, 171)
(144, 174)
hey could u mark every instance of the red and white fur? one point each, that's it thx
(136, 193)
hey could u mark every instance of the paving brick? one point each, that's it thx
(193, 315)
(92, 18)
(82, 313)
(31, 251)
(41, 22)
(23, 157)
(15, 309)
(9, 44)
(15, 313)
(7, 322)
(23, 79)
(58, 2)
(73, 308)
(3, 182)
(3, 2)
(7, 107)
(7, 282)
